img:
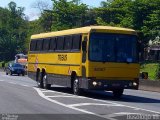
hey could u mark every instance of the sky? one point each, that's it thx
(33, 13)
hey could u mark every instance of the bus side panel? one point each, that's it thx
(58, 66)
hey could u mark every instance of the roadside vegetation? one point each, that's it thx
(16, 29)
(152, 68)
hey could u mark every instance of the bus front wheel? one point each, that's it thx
(118, 93)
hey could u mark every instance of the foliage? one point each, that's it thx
(141, 15)
(13, 31)
(152, 73)
(68, 14)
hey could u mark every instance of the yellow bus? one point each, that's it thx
(92, 57)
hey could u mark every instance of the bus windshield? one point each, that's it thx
(105, 47)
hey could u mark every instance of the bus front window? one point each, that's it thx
(112, 48)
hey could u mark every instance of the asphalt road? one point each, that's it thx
(21, 99)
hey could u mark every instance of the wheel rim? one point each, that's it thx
(44, 81)
(75, 86)
(38, 83)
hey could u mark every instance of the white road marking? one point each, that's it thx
(127, 113)
(64, 96)
(59, 103)
(85, 104)
(45, 91)
(108, 102)
(1, 80)
(50, 91)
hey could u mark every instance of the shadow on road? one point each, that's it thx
(102, 95)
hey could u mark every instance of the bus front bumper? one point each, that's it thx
(108, 84)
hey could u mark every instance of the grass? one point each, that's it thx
(6, 63)
(151, 68)
(1, 64)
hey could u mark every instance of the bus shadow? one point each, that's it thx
(101, 95)
(125, 98)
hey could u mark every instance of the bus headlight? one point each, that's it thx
(134, 84)
(94, 83)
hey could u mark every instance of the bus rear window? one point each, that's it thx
(33, 45)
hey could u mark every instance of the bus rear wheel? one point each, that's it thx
(45, 83)
(39, 80)
(118, 93)
(76, 89)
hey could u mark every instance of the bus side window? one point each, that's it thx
(68, 43)
(60, 43)
(39, 45)
(76, 42)
(33, 45)
(46, 44)
(52, 44)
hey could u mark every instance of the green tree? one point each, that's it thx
(13, 31)
(68, 14)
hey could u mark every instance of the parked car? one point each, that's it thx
(15, 68)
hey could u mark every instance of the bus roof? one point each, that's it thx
(85, 30)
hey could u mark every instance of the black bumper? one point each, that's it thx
(108, 84)
(17, 72)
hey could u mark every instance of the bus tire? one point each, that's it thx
(118, 93)
(45, 82)
(39, 80)
(76, 89)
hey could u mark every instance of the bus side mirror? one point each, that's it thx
(84, 46)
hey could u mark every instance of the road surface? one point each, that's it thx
(21, 99)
